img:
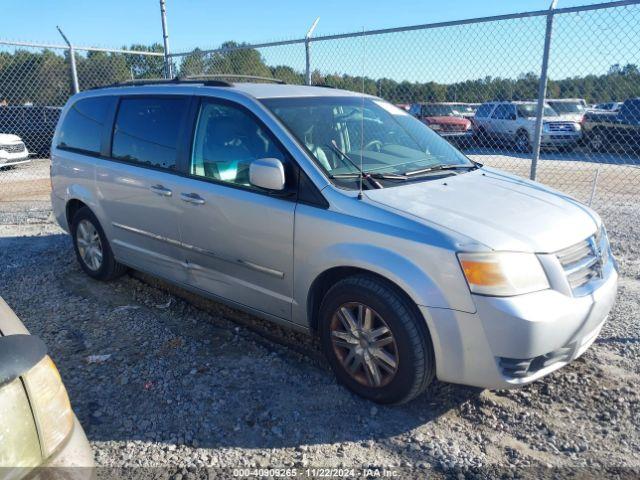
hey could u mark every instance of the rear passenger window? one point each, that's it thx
(147, 130)
(83, 125)
(484, 110)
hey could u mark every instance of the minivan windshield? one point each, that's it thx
(345, 134)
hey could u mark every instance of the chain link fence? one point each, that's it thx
(476, 82)
(35, 82)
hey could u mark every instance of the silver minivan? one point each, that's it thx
(340, 215)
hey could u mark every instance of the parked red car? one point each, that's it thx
(445, 119)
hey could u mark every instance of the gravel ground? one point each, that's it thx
(186, 383)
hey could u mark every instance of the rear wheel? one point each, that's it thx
(92, 247)
(522, 143)
(597, 141)
(376, 342)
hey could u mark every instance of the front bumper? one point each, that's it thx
(511, 341)
(456, 135)
(13, 158)
(560, 139)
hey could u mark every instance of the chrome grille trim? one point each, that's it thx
(584, 261)
(560, 127)
(13, 148)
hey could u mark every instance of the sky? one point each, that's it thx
(208, 23)
(494, 49)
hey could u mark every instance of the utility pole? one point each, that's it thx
(165, 40)
(542, 92)
(72, 62)
(307, 52)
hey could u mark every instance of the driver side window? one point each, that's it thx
(227, 140)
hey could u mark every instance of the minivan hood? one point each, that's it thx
(499, 210)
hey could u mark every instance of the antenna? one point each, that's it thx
(362, 118)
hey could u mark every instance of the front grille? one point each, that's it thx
(584, 261)
(560, 127)
(523, 367)
(453, 128)
(13, 148)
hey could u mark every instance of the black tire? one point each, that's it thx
(416, 362)
(597, 141)
(109, 268)
(480, 137)
(567, 148)
(521, 142)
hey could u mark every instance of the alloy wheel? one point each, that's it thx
(364, 344)
(596, 142)
(522, 142)
(89, 245)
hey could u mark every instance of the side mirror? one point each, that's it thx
(267, 173)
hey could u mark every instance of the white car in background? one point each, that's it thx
(13, 151)
(504, 124)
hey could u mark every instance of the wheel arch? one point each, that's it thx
(329, 277)
(72, 206)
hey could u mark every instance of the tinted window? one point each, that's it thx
(631, 110)
(227, 140)
(484, 110)
(501, 112)
(83, 125)
(147, 130)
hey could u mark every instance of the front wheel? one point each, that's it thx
(375, 340)
(522, 143)
(92, 247)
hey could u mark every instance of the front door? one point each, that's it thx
(138, 189)
(237, 238)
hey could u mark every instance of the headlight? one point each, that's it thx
(50, 404)
(435, 126)
(577, 127)
(503, 274)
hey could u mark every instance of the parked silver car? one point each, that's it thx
(513, 123)
(337, 214)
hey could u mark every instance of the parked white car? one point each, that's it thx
(514, 123)
(12, 150)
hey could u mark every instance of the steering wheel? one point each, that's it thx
(375, 145)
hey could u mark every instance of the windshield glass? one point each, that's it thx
(369, 132)
(529, 110)
(440, 111)
(567, 107)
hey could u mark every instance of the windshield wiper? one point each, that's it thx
(437, 168)
(362, 174)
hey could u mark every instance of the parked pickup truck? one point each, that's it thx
(605, 131)
(444, 119)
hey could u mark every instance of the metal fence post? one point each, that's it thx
(307, 51)
(165, 40)
(542, 92)
(72, 62)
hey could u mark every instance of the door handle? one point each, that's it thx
(160, 190)
(193, 198)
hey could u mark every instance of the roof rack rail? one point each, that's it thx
(214, 76)
(140, 82)
(213, 80)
